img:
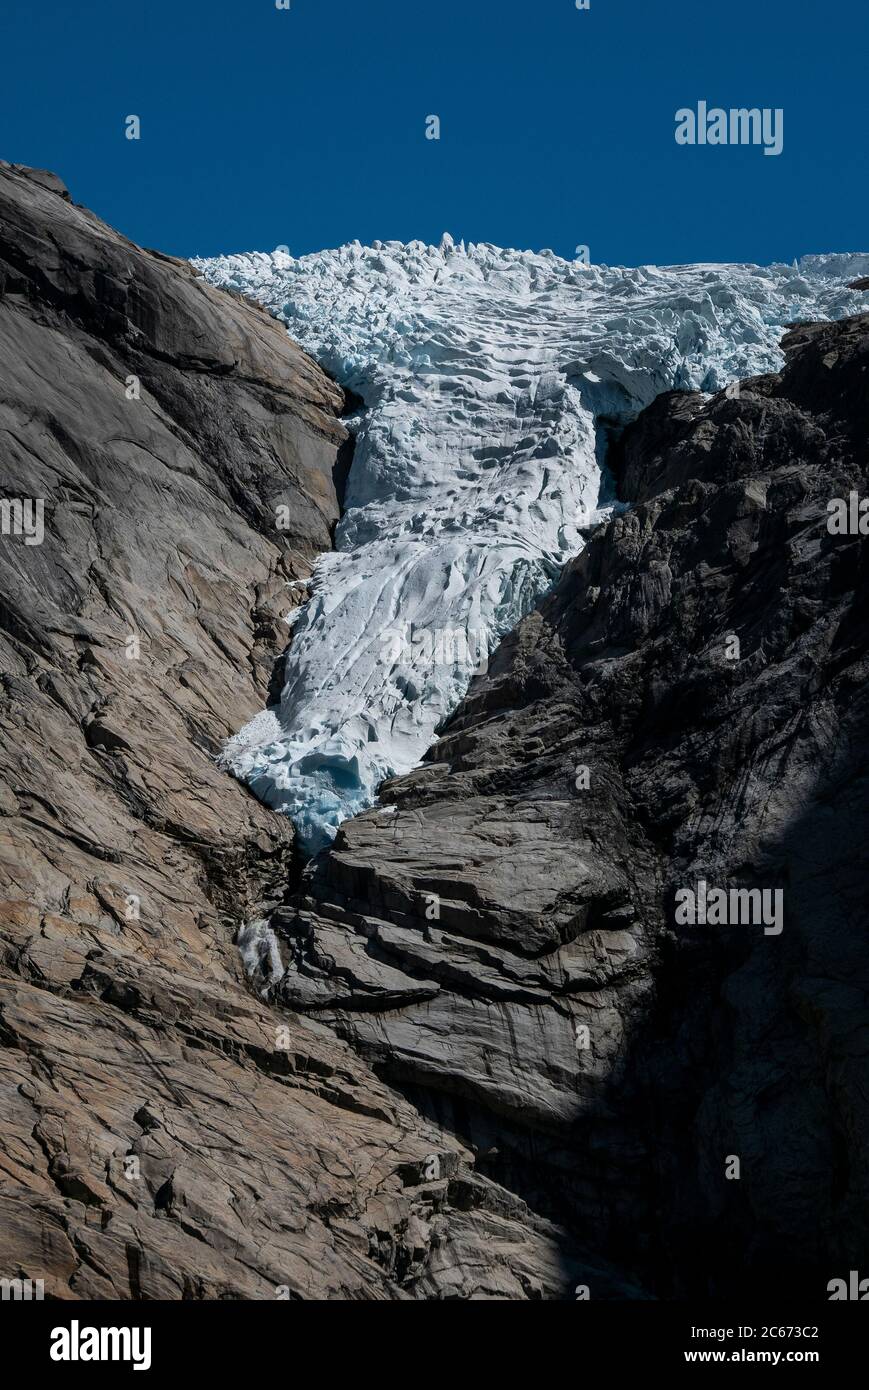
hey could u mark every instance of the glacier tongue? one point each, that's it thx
(487, 377)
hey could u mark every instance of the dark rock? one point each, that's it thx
(496, 1066)
(555, 903)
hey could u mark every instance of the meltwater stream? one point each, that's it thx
(488, 378)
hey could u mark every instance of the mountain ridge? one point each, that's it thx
(492, 1067)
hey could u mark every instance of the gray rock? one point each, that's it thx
(164, 1133)
(556, 891)
(496, 1065)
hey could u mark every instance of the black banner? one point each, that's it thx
(81, 1339)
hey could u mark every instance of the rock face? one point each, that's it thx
(163, 1132)
(495, 1064)
(501, 941)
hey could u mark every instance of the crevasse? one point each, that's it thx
(488, 377)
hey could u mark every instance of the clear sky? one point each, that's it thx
(306, 127)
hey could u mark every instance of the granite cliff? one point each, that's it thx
(164, 1132)
(688, 704)
(494, 1064)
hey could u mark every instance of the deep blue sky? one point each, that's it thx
(307, 128)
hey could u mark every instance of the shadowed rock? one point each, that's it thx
(536, 995)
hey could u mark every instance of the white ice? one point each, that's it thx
(489, 378)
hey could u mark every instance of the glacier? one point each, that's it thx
(491, 380)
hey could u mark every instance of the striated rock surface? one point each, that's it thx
(500, 940)
(493, 1065)
(163, 1132)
